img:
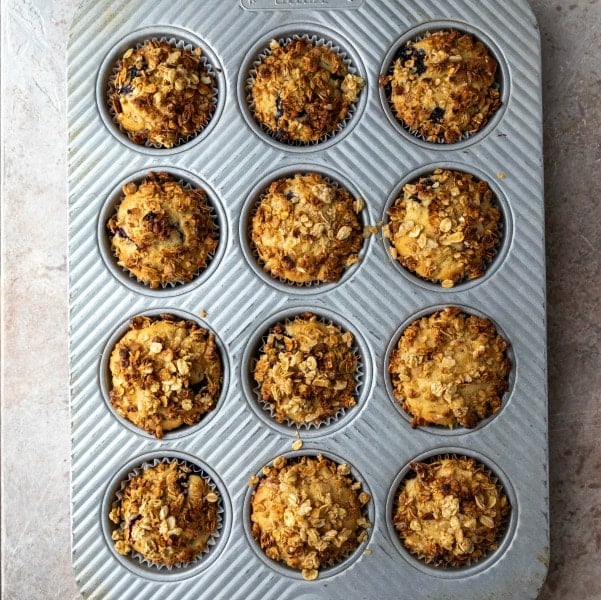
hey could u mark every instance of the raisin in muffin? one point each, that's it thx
(161, 94)
(308, 513)
(307, 230)
(450, 511)
(443, 85)
(450, 368)
(307, 370)
(445, 227)
(302, 92)
(162, 232)
(165, 373)
(166, 513)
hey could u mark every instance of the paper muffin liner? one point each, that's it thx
(315, 40)
(503, 527)
(341, 412)
(206, 65)
(211, 542)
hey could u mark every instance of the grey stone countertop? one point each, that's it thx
(36, 559)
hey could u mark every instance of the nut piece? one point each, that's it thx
(308, 515)
(450, 368)
(161, 389)
(451, 512)
(165, 514)
(302, 92)
(307, 370)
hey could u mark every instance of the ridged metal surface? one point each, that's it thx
(378, 442)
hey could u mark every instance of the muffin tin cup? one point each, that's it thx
(251, 204)
(506, 226)
(104, 375)
(182, 39)
(508, 525)
(318, 35)
(439, 429)
(137, 563)
(266, 413)
(502, 79)
(327, 572)
(126, 277)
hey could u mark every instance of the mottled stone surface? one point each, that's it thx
(36, 560)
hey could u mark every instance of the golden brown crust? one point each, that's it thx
(442, 86)
(444, 227)
(161, 94)
(451, 513)
(307, 370)
(162, 232)
(302, 92)
(450, 368)
(166, 513)
(308, 513)
(307, 230)
(165, 373)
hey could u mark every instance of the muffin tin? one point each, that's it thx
(233, 160)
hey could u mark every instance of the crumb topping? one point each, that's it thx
(450, 368)
(307, 230)
(444, 227)
(302, 92)
(165, 373)
(450, 512)
(443, 86)
(162, 232)
(166, 513)
(161, 94)
(307, 370)
(308, 513)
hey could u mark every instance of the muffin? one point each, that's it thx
(165, 373)
(450, 511)
(443, 86)
(162, 232)
(308, 513)
(307, 371)
(307, 230)
(450, 368)
(302, 92)
(161, 94)
(445, 227)
(166, 513)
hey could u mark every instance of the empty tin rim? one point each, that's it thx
(174, 35)
(143, 568)
(104, 375)
(280, 567)
(250, 206)
(343, 416)
(440, 429)
(505, 226)
(319, 35)
(128, 279)
(508, 526)
(502, 81)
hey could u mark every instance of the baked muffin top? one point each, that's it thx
(308, 513)
(167, 513)
(450, 368)
(162, 232)
(161, 94)
(164, 373)
(450, 512)
(444, 227)
(307, 370)
(302, 91)
(443, 85)
(306, 229)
